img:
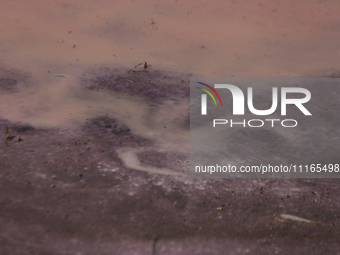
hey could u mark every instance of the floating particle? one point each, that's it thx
(61, 75)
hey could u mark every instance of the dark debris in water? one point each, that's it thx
(154, 85)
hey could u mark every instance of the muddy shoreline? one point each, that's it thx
(70, 190)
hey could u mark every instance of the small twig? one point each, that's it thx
(145, 65)
(8, 137)
(138, 65)
(154, 246)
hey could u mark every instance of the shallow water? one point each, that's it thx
(210, 39)
(207, 39)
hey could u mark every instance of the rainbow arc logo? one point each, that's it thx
(208, 92)
(204, 97)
